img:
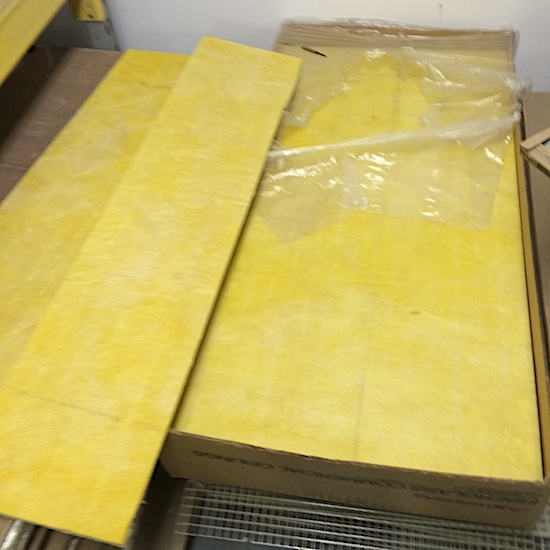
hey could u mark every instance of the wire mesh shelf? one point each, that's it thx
(247, 516)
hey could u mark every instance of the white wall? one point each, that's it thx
(65, 30)
(176, 25)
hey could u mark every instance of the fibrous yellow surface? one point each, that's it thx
(21, 21)
(376, 338)
(113, 249)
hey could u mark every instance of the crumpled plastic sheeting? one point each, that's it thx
(314, 88)
(456, 88)
(458, 91)
(447, 175)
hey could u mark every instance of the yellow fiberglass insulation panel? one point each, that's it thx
(45, 221)
(21, 21)
(88, 394)
(376, 339)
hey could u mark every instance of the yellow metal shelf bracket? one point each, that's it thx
(88, 10)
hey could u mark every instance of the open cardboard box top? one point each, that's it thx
(209, 456)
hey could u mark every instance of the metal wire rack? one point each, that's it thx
(246, 516)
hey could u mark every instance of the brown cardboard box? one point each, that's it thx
(536, 116)
(477, 499)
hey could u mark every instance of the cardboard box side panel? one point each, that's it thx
(536, 312)
(470, 499)
(341, 32)
(536, 115)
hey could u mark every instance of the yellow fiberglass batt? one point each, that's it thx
(87, 396)
(376, 338)
(21, 21)
(45, 221)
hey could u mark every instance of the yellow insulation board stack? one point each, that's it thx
(112, 252)
(376, 339)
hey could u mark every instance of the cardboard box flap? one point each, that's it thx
(497, 502)
(112, 252)
(357, 32)
(536, 203)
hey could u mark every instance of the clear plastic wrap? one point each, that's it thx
(447, 175)
(457, 91)
(391, 119)
(455, 88)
